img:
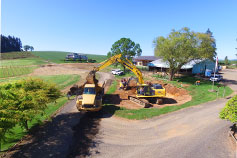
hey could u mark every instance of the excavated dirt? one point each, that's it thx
(174, 96)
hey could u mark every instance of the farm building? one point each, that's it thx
(194, 67)
(143, 60)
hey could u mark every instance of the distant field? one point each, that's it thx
(16, 55)
(58, 57)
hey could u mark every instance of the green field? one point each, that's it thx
(16, 55)
(58, 57)
(61, 80)
(13, 71)
(22, 62)
(200, 94)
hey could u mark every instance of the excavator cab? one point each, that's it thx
(144, 90)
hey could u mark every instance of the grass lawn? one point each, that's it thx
(58, 57)
(60, 80)
(200, 94)
(17, 132)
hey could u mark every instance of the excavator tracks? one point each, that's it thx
(142, 102)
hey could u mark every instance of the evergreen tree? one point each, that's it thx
(10, 44)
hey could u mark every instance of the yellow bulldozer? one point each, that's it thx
(144, 95)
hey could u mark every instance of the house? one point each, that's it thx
(194, 67)
(143, 60)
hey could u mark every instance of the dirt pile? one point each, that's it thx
(174, 95)
(174, 90)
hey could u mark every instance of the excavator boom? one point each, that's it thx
(128, 64)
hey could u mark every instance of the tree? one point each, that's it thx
(226, 61)
(26, 47)
(31, 48)
(126, 47)
(229, 112)
(183, 46)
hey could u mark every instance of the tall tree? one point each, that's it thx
(10, 44)
(183, 46)
(126, 47)
(226, 60)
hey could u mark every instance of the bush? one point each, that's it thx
(229, 112)
(22, 100)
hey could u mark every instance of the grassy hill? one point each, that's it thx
(58, 57)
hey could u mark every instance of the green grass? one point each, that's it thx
(112, 88)
(22, 62)
(61, 80)
(17, 132)
(200, 94)
(52, 56)
(13, 71)
(58, 57)
(16, 55)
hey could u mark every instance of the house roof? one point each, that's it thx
(163, 64)
(147, 58)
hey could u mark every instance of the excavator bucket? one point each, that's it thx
(90, 79)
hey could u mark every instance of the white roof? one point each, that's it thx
(163, 64)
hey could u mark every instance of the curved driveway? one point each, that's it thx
(195, 132)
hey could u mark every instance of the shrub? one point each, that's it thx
(22, 100)
(229, 112)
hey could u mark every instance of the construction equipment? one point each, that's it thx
(145, 93)
(91, 98)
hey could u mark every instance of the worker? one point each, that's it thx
(197, 83)
(141, 91)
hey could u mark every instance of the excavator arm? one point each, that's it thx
(128, 64)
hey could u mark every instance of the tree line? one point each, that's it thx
(13, 44)
(10, 44)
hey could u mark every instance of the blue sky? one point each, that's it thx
(92, 26)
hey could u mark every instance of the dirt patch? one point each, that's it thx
(174, 96)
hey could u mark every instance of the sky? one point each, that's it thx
(92, 26)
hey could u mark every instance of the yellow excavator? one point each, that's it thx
(145, 93)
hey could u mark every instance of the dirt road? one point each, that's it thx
(195, 132)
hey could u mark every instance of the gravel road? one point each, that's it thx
(195, 132)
